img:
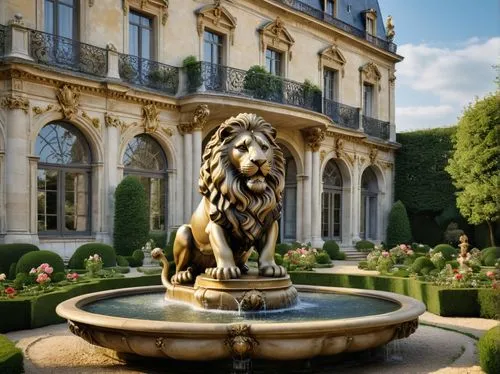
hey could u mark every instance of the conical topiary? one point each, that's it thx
(398, 228)
(131, 217)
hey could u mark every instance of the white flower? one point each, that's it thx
(2, 277)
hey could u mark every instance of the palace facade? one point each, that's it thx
(92, 91)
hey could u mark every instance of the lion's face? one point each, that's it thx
(251, 155)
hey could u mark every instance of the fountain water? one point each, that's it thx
(213, 305)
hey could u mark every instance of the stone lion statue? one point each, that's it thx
(241, 180)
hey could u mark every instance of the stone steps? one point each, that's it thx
(352, 254)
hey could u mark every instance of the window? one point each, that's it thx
(368, 216)
(63, 180)
(368, 100)
(330, 7)
(370, 26)
(330, 84)
(60, 18)
(140, 35)
(288, 231)
(273, 61)
(331, 207)
(145, 160)
(212, 47)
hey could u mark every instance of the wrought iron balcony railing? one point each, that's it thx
(148, 73)
(3, 39)
(263, 86)
(341, 114)
(53, 50)
(319, 14)
(377, 128)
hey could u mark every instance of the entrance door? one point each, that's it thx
(331, 203)
(369, 197)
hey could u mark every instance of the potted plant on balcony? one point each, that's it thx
(163, 78)
(312, 95)
(262, 84)
(193, 70)
(127, 70)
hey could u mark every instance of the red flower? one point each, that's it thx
(10, 291)
(458, 276)
(455, 270)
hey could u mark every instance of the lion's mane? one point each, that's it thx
(232, 205)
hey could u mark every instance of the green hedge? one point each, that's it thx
(11, 357)
(489, 300)
(447, 302)
(38, 311)
(10, 253)
(489, 351)
(447, 250)
(398, 227)
(332, 248)
(83, 252)
(34, 259)
(490, 255)
(364, 246)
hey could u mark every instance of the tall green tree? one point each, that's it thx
(398, 227)
(131, 229)
(474, 165)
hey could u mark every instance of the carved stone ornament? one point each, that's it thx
(82, 332)
(16, 102)
(150, 118)
(168, 131)
(252, 300)
(113, 121)
(322, 155)
(91, 3)
(340, 151)
(125, 7)
(95, 121)
(39, 110)
(111, 47)
(313, 137)
(370, 72)
(69, 99)
(389, 29)
(406, 329)
(200, 116)
(218, 17)
(240, 342)
(185, 128)
(17, 20)
(373, 155)
(332, 57)
(160, 342)
(276, 35)
(392, 78)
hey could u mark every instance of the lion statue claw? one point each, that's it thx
(241, 180)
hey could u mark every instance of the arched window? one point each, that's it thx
(331, 202)
(369, 194)
(63, 180)
(289, 213)
(145, 159)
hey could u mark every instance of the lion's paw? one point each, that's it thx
(181, 277)
(273, 270)
(223, 273)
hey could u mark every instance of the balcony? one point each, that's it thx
(201, 77)
(325, 17)
(68, 54)
(376, 128)
(343, 115)
(148, 73)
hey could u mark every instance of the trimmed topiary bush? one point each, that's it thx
(106, 252)
(364, 246)
(323, 258)
(332, 248)
(282, 248)
(10, 253)
(121, 261)
(11, 357)
(398, 228)
(138, 255)
(341, 256)
(489, 351)
(278, 259)
(449, 253)
(489, 300)
(131, 229)
(490, 255)
(58, 277)
(12, 270)
(34, 259)
(420, 264)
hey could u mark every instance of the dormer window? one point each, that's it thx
(371, 21)
(329, 7)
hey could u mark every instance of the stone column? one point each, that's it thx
(200, 117)
(392, 107)
(19, 41)
(312, 202)
(356, 199)
(306, 200)
(300, 208)
(17, 172)
(113, 66)
(187, 187)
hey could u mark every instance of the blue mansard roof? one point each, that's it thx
(356, 16)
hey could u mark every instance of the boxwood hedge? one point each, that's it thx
(11, 253)
(106, 252)
(489, 351)
(34, 259)
(11, 358)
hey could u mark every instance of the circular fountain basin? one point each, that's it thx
(326, 321)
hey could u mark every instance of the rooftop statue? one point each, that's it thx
(389, 29)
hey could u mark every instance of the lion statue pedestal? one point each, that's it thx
(241, 180)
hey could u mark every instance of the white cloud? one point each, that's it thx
(419, 117)
(452, 77)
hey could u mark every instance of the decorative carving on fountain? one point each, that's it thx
(82, 332)
(240, 342)
(253, 300)
(406, 329)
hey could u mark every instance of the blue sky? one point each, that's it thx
(449, 48)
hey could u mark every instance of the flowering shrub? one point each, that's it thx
(302, 258)
(438, 260)
(93, 264)
(402, 254)
(41, 275)
(464, 278)
(72, 277)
